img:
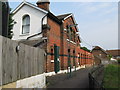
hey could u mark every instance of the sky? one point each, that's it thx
(97, 21)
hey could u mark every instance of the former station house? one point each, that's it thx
(57, 35)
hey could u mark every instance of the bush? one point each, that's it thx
(118, 61)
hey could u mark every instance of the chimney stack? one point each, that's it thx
(44, 4)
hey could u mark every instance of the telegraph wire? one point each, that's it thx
(86, 42)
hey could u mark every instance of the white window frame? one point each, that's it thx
(26, 25)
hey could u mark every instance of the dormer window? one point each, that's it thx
(26, 24)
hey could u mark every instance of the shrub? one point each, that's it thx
(118, 61)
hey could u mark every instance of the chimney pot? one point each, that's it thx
(44, 4)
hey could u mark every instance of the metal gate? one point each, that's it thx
(69, 64)
(56, 58)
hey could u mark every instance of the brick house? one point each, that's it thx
(101, 56)
(57, 35)
(115, 53)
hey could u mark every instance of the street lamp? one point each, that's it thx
(69, 62)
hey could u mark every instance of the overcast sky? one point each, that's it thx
(97, 21)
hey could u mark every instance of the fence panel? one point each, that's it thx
(27, 58)
(0, 60)
(35, 61)
(4, 62)
(13, 60)
(21, 53)
(9, 61)
(14, 65)
(40, 63)
(32, 61)
(94, 84)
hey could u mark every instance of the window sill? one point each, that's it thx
(71, 41)
(24, 34)
(52, 61)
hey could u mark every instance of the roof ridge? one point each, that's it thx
(64, 14)
(27, 3)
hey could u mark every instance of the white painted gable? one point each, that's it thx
(36, 16)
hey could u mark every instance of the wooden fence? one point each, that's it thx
(96, 78)
(19, 61)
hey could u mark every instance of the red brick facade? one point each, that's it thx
(53, 36)
(100, 55)
(58, 34)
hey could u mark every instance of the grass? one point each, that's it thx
(111, 76)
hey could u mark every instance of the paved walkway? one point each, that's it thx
(79, 80)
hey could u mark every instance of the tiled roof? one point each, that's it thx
(114, 52)
(99, 48)
(61, 17)
(29, 4)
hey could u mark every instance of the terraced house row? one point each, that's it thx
(57, 35)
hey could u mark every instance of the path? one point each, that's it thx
(79, 80)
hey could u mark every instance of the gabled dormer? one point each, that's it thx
(29, 19)
(70, 27)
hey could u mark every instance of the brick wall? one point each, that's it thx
(99, 53)
(53, 36)
(57, 35)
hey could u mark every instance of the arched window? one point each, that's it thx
(26, 24)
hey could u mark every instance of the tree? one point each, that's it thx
(84, 48)
(5, 17)
(109, 56)
(10, 25)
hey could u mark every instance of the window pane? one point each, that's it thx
(26, 24)
(26, 29)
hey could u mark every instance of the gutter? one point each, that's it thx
(41, 28)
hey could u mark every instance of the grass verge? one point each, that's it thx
(111, 76)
